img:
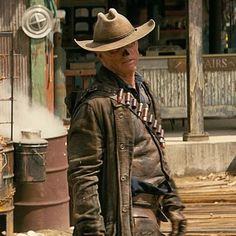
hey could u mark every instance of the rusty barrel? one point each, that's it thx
(45, 205)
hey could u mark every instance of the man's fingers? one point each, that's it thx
(179, 224)
(182, 227)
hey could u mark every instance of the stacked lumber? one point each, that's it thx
(210, 204)
(81, 69)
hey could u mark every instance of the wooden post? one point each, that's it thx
(38, 62)
(42, 80)
(195, 77)
(60, 80)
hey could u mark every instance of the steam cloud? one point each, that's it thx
(27, 117)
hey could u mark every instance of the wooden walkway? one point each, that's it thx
(210, 204)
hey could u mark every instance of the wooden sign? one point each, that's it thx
(215, 63)
(177, 65)
(219, 63)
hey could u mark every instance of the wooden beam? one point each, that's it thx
(195, 76)
(81, 72)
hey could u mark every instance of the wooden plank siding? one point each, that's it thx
(210, 204)
(168, 81)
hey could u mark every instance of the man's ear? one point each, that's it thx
(99, 55)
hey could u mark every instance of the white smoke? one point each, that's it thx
(28, 117)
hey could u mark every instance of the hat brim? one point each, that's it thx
(138, 33)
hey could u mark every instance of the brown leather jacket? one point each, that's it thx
(107, 144)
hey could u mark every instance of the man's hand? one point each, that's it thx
(179, 222)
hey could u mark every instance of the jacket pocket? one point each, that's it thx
(145, 222)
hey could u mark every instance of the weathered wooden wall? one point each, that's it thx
(167, 78)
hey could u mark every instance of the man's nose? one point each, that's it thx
(125, 52)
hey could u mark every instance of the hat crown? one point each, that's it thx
(111, 26)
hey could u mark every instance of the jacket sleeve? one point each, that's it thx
(85, 149)
(172, 201)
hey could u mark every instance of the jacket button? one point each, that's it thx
(122, 146)
(124, 209)
(121, 115)
(123, 178)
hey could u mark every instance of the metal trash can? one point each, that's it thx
(30, 157)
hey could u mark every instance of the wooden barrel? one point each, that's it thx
(6, 177)
(7, 189)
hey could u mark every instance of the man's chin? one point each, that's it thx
(130, 67)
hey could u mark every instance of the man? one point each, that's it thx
(119, 180)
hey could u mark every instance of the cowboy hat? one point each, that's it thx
(112, 31)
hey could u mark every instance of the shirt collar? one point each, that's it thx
(123, 84)
(114, 79)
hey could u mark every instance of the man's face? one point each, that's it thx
(122, 61)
